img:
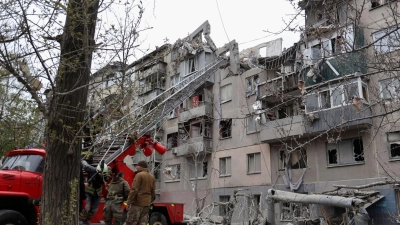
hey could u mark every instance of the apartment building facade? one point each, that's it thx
(304, 119)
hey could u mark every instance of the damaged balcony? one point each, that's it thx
(339, 105)
(334, 68)
(284, 84)
(201, 109)
(194, 136)
(152, 78)
(280, 129)
(198, 105)
(194, 146)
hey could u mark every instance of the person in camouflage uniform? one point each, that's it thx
(141, 195)
(118, 191)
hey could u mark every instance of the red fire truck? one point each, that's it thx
(21, 177)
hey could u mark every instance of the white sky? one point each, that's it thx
(244, 21)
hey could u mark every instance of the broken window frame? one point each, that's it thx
(337, 146)
(392, 87)
(202, 170)
(175, 113)
(393, 140)
(252, 85)
(342, 12)
(293, 210)
(172, 137)
(385, 42)
(252, 123)
(253, 163)
(339, 95)
(301, 156)
(226, 93)
(254, 205)
(225, 128)
(175, 171)
(109, 80)
(225, 166)
(175, 79)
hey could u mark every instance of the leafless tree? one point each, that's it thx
(51, 44)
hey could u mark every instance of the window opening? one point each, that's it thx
(349, 151)
(172, 140)
(358, 150)
(175, 172)
(393, 139)
(225, 166)
(253, 163)
(297, 160)
(226, 93)
(225, 129)
(325, 100)
(332, 156)
(223, 209)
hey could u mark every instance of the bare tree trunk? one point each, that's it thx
(61, 175)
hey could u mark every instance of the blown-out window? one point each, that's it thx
(393, 139)
(349, 151)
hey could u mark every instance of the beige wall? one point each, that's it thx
(317, 166)
(239, 175)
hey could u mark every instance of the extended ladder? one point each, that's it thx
(149, 114)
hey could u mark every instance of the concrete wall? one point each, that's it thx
(317, 165)
(239, 176)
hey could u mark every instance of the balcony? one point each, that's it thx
(271, 89)
(194, 145)
(201, 108)
(338, 118)
(275, 130)
(158, 88)
(156, 68)
(335, 67)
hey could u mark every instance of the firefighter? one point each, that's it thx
(98, 176)
(118, 191)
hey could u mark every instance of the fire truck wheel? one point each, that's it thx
(158, 219)
(11, 217)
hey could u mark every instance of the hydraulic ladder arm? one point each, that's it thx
(150, 113)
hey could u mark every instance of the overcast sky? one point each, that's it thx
(244, 21)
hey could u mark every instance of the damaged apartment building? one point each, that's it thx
(304, 119)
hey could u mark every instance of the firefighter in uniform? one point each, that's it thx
(97, 177)
(118, 191)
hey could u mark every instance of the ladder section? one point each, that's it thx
(149, 114)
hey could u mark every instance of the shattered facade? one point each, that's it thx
(298, 119)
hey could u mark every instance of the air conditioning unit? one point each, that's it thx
(311, 56)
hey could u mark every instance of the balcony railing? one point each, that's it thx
(275, 130)
(150, 87)
(194, 145)
(272, 88)
(160, 68)
(202, 109)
